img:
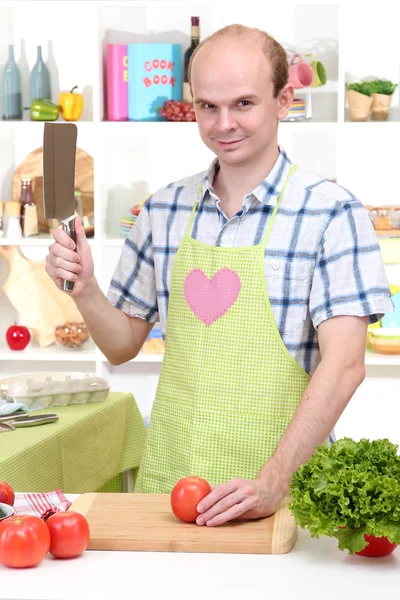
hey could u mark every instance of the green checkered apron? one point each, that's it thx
(228, 386)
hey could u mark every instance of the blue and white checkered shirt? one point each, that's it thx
(322, 258)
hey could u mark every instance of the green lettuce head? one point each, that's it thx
(348, 490)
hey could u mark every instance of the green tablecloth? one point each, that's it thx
(87, 447)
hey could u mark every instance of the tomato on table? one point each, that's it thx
(24, 541)
(69, 534)
(186, 495)
(7, 495)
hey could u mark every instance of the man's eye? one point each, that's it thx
(208, 105)
(245, 102)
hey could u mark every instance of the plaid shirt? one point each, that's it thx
(322, 258)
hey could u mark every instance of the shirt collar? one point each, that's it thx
(267, 192)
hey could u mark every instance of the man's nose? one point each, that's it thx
(226, 120)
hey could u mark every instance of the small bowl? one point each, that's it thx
(7, 510)
(72, 335)
(385, 340)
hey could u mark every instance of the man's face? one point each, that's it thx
(236, 111)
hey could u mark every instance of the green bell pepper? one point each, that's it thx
(43, 109)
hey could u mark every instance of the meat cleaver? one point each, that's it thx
(59, 153)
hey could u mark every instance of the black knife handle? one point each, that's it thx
(69, 228)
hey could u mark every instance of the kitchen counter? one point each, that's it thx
(314, 569)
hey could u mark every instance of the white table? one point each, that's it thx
(314, 570)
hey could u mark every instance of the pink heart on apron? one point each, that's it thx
(209, 299)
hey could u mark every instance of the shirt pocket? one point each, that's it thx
(289, 288)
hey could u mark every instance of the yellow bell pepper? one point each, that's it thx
(71, 105)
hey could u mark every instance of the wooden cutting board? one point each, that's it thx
(145, 523)
(35, 297)
(32, 166)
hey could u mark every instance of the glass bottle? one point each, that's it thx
(195, 40)
(28, 214)
(40, 78)
(11, 89)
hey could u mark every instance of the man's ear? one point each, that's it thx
(285, 99)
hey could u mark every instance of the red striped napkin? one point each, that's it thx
(42, 505)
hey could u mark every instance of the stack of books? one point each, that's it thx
(140, 78)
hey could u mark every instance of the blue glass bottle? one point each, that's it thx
(11, 89)
(40, 79)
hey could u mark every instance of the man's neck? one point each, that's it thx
(232, 182)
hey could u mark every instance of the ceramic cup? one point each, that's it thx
(300, 73)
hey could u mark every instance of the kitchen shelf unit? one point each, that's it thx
(133, 159)
(93, 354)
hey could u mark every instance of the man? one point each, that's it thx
(264, 278)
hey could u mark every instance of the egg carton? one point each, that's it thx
(42, 390)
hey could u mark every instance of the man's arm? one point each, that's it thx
(341, 370)
(119, 336)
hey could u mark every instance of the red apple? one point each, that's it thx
(7, 495)
(18, 337)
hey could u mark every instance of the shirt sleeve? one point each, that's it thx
(133, 286)
(349, 276)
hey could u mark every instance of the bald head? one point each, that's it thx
(236, 39)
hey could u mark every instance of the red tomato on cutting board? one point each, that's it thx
(186, 495)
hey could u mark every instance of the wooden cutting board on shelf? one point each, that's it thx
(35, 297)
(145, 523)
(32, 166)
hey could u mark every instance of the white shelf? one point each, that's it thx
(53, 353)
(50, 353)
(113, 242)
(43, 239)
(384, 360)
(148, 358)
(393, 118)
(142, 357)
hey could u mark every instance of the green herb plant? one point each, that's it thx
(364, 87)
(381, 86)
(349, 490)
(377, 86)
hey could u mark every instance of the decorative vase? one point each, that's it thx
(359, 105)
(380, 107)
(11, 89)
(40, 79)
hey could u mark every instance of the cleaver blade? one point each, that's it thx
(59, 154)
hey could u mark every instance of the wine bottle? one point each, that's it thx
(11, 89)
(195, 40)
(40, 79)
(28, 213)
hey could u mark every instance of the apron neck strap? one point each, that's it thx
(198, 194)
(271, 220)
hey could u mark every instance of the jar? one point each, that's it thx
(395, 217)
(371, 213)
(72, 335)
(382, 219)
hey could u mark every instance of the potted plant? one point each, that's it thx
(351, 491)
(359, 98)
(382, 93)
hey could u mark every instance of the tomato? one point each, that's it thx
(69, 533)
(377, 546)
(24, 541)
(7, 495)
(186, 495)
